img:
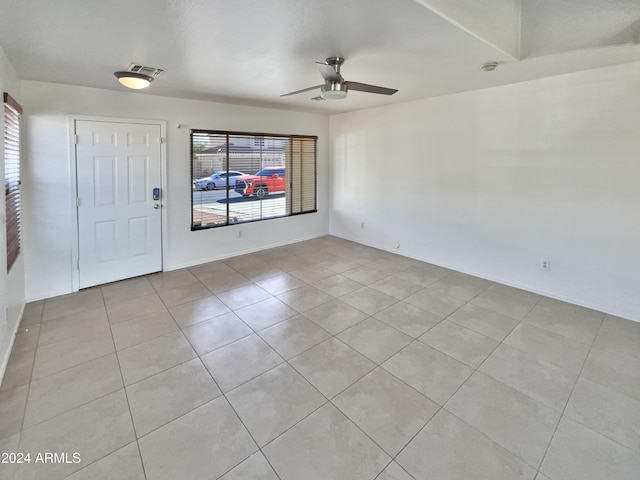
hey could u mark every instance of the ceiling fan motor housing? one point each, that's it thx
(334, 90)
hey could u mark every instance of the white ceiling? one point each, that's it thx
(252, 51)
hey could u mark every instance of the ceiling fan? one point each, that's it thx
(335, 87)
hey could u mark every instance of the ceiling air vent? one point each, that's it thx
(151, 71)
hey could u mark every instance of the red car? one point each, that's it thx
(265, 181)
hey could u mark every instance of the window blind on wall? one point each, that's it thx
(302, 179)
(12, 112)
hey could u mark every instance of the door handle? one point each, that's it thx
(156, 206)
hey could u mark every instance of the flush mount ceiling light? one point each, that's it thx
(489, 67)
(137, 76)
(134, 80)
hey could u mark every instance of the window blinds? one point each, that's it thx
(12, 112)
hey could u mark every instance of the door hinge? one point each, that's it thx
(77, 202)
(78, 264)
(76, 140)
(162, 139)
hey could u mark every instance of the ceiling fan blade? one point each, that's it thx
(364, 87)
(300, 91)
(328, 72)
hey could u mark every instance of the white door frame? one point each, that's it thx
(75, 247)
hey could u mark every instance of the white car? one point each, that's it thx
(217, 180)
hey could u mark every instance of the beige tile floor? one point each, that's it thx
(321, 360)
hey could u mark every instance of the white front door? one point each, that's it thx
(118, 166)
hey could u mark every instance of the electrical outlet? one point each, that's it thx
(239, 233)
(545, 265)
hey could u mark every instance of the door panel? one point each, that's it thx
(138, 236)
(105, 241)
(119, 226)
(139, 191)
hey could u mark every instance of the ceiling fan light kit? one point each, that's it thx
(334, 91)
(335, 87)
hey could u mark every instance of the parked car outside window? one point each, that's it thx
(265, 181)
(217, 180)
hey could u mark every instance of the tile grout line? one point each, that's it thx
(562, 414)
(579, 376)
(88, 402)
(477, 369)
(442, 407)
(223, 395)
(126, 395)
(26, 400)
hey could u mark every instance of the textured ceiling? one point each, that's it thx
(252, 51)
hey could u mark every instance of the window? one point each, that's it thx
(12, 112)
(247, 177)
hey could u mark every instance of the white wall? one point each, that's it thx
(12, 284)
(48, 203)
(492, 182)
